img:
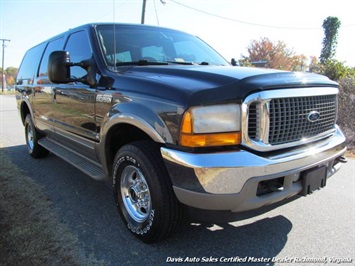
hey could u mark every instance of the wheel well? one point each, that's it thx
(119, 136)
(24, 111)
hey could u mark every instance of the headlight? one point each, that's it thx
(216, 125)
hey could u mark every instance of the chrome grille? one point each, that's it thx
(278, 119)
(253, 121)
(288, 118)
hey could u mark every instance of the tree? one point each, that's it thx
(330, 26)
(10, 75)
(10, 81)
(314, 65)
(299, 62)
(336, 70)
(11, 71)
(276, 56)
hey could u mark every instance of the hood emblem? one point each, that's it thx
(313, 116)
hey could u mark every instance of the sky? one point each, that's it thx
(228, 26)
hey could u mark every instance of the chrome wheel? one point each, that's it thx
(135, 194)
(32, 136)
(30, 139)
(144, 193)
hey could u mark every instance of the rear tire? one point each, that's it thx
(32, 137)
(144, 194)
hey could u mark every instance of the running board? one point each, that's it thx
(88, 167)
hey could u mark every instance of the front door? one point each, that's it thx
(74, 103)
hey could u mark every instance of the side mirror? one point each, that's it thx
(234, 62)
(59, 69)
(90, 66)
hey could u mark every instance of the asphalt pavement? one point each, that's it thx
(311, 230)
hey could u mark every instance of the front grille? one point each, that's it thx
(253, 121)
(289, 118)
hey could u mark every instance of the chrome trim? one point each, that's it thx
(264, 121)
(227, 172)
(262, 100)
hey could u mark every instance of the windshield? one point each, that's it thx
(129, 44)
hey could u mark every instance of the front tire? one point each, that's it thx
(143, 192)
(32, 137)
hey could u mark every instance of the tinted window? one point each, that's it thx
(52, 46)
(79, 49)
(155, 53)
(130, 43)
(29, 65)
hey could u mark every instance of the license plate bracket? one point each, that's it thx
(313, 180)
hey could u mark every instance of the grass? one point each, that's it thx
(30, 231)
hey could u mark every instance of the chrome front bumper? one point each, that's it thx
(229, 180)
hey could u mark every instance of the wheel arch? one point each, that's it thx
(122, 130)
(24, 111)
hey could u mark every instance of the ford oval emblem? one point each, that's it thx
(313, 116)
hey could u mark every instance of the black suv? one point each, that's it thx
(173, 124)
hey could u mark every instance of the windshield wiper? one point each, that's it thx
(144, 62)
(180, 62)
(141, 63)
(203, 63)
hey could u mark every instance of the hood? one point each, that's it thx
(211, 84)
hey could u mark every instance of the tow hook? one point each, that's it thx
(342, 159)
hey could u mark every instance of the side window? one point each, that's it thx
(29, 66)
(52, 46)
(79, 49)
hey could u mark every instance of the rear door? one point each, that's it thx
(26, 77)
(43, 96)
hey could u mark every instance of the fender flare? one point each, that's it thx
(156, 130)
(25, 101)
(134, 120)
